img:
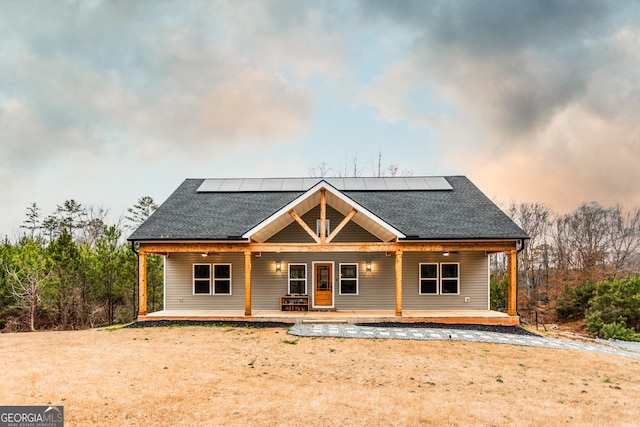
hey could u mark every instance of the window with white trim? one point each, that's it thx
(212, 279)
(450, 278)
(297, 279)
(348, 279)
(429, 279)
(201, 279)
(222, 279)
(440, 279)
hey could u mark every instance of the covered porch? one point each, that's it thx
(393, 249)
(476, 317)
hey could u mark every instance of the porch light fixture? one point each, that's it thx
(445, 254)
(368, 264)
(205, 254)
(278, 265)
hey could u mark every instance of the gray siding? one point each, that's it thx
(474, 282)
(179, 283)
(376, 289)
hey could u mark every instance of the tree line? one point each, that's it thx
(73, 270)
(572, 263)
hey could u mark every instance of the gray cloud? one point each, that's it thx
(82, 75)
(543, 96)
(518, 63)
(550, 89)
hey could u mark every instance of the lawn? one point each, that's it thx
(246, 376)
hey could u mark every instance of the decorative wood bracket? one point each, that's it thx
(340, 226)
(304, 226)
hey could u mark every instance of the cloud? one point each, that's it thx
(146, 74)
(541, 96)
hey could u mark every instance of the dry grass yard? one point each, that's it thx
(265, 377)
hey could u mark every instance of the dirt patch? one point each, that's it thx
(248, 376)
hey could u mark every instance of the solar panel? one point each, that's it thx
(343, 184)
(271, 184)
(438, 183)
(210, 185)
(293, 184)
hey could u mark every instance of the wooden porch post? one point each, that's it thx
(247, 283)
(142, 283)
(398, 283)
(512, 309)
(323, 215)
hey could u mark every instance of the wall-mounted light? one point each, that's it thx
(445, 253)
(204, 254)
(278, 265)
(368, 265)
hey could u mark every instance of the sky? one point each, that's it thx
(108, 101)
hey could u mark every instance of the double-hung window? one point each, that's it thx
(348, 279)
(297, 279)
(429, 279)
(450, 278)
(212, 278)
(222, 279)
(202, 279)
(440, 279)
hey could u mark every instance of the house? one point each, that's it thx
(399, 249)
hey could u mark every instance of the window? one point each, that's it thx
(348, 279)
(202, 279)
(327, 225)
(428, 279)
(297, 279)
(440, 279)
(450, 278)
(222, 279)
(206, 274)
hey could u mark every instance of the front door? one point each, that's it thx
(323, 286)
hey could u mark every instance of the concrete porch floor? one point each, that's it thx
(477, 317)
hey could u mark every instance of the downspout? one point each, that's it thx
(135, 285)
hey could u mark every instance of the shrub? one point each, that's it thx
(499, 293)
(574, 301)
(617, 330)
(614, 310)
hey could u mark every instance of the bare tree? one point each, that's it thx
(28, 275)
(588, 230)
(352, 167)
(533, 260)
(138, 213)
(623, 241)
(320, 170)
(93, 224)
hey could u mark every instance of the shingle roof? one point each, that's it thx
(463, 212)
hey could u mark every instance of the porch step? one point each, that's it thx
(336, 321)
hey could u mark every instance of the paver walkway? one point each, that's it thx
(409, 333)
